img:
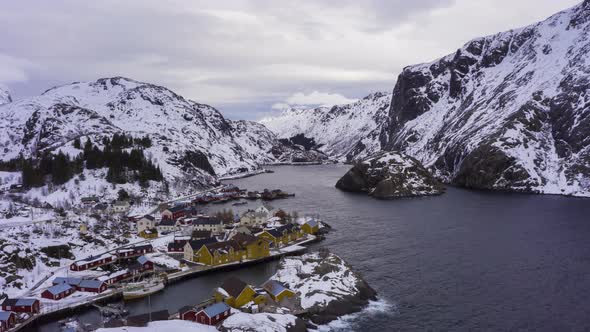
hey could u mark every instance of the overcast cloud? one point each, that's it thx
(244, 57)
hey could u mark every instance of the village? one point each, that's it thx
(175, 241)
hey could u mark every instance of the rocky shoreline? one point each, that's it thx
(390, 175)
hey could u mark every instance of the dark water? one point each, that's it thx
(466, 260)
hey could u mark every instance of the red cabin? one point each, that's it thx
(92, 262)
(213, 314)
(135, 251)
(92, 286)
(58, 292)
(188, 313)
(21, 305)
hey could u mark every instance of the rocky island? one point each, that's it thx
(389, 175)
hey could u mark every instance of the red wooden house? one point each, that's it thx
(135, 251)
(92, 262)
(142, 264)
(174, 212)
(188, 313)
(213, 314)
(7, 320)
(58, 292)
(21, 305)
(116, 276)
(92, 286)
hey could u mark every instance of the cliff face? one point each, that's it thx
(509, 111)
(390, 175)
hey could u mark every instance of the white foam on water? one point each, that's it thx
(344, 323)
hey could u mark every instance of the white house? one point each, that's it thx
(213, 225)
(121, 206)
(166, 226)
(146, 222)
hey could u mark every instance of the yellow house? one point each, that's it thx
(219, 253)
(149, 233)
(310, 226)
(274, 236)
(254, 247)
(277, 291)
(237, 293)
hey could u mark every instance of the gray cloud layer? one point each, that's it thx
(243, 56)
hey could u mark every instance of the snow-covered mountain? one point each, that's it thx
(344, 132)
(4, 96)
(509, 111)
(184, 133)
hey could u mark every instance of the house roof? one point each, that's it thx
(58, 289)
(274, 287)
(69, 281)
(5, 315)
(142, 260)
(121, 203)
(216, 309)
(276, 232)
(311, 222)
(245, 239)
(93, 259)
(233, 286)
(223, 246)
(167, 222)
(148, 217)
(197, 244)
(19, 302)
(91, 283)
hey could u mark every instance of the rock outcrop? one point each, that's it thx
(388, 175)
(327, 286)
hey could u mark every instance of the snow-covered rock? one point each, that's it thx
(344, 132)
(186, 136)
(390, 175)
(327, 286)
(5, 97)
(262, 322)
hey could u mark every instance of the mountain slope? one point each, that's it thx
(185, 135)
(4, 96)
(343, 132)
(509, 111)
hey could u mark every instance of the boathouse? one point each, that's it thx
(92, 286)
(188, 313)
(135, 251)
(21, 305)
(174, 212)
(58, 292)
(92, 262)
(236, 293)
(213, 314)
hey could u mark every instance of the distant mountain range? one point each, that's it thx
(509, 111)
(186, 135)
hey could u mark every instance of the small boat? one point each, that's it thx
(240, 203)
(142, 289)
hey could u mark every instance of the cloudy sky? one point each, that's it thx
(248, 58)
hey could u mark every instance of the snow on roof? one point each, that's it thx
(216, 309)
(69, 281)
(142, 260)
(26, 302)
(58, 289)
(91, 283)
(94, 258)
(312, 222)
(274, 287)
(222, 291)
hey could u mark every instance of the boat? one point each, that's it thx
(240, 203)
(138, 290)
